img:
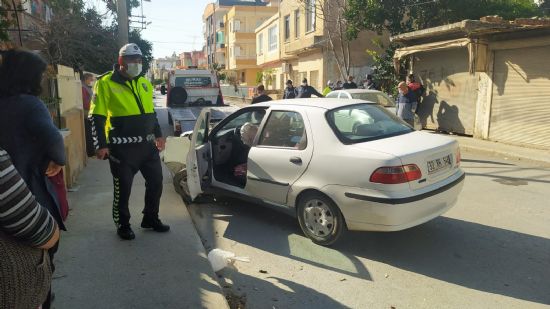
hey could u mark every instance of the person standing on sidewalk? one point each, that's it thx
(290, 91)
(261, 96)
(406, 104)
(350, 84)
(305, 91)
(127, 133)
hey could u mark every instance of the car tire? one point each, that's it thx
(180, 185)
(320, 219)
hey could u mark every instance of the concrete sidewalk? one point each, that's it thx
(511, 151)
(95, 269)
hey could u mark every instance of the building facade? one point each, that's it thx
(241, 23)
(161, 66)
(33, 15)
(484, 78)
(295, 45)
(214, 28)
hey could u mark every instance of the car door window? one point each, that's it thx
(284, 129)
(201, 133)
(254, 117)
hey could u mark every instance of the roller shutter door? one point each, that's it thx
(520, 110)
(451, 91)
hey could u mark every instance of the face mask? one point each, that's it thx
(134, 69)
(401, 91)
(304, 84)
(90, 84)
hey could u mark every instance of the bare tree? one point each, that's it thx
(331, 13)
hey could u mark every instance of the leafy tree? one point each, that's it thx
(77, 37)
(397, 16)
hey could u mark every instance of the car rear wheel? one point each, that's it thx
(320, 219)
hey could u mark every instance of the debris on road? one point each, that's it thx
(263, 271)
(219, 259)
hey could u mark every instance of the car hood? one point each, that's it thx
(403, 145)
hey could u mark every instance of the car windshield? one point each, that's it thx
(364, 122)
(193, 81)
(376, 97)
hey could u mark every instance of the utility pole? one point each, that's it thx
(122, 13)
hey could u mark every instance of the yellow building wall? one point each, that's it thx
(249, 18)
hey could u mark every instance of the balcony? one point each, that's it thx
(304, 44)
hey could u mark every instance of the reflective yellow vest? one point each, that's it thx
(122, 109)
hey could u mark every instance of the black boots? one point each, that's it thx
(125, 232)
(155, 224)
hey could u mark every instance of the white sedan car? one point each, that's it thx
(372, 96)
(336, 164)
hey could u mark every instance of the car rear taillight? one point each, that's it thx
(458, 157)
(396, 174)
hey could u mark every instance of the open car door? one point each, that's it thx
(198, 158)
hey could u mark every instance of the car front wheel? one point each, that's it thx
(180, 184)
(320, 219)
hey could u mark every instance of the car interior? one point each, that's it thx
(231, 145)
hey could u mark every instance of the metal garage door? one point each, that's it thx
(520, 111)
(451, 92)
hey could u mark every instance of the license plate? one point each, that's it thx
(437, 165)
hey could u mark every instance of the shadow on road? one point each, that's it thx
(468, 254)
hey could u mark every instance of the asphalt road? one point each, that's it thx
(492, 250)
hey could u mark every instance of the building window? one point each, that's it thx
(272, 40)
(261, 44)
(287, 28)
(310, 15)
(297, 23)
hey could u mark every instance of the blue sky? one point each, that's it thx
(176, 25)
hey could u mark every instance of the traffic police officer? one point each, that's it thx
(127, 133)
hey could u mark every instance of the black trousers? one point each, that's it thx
(126, 161)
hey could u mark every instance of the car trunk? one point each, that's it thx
(435, 155)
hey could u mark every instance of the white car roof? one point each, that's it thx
(324, 103)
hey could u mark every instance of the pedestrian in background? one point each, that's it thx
(88, 81)
(339, 85)
(350, 84)
(290, 91)
(406, 104)
(416, 88)
(27, 132)
(27, 231)
(369, 83)
(306, 91)
(126, 131)
(261, 96)
(328, 88)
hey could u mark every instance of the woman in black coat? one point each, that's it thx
(27, 131)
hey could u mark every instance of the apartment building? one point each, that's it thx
(214, 28)
(241, 23)
(294, 45)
